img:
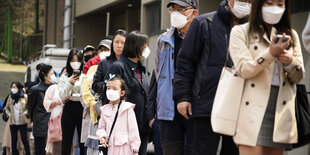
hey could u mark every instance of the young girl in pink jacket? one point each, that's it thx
(124, 138)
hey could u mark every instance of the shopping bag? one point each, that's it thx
(226, 105)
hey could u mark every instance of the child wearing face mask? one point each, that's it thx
(118, 129)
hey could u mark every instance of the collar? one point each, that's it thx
(168, 36)
(272, 33)
(108, 108)
(224, 14)
(132, 64)
(43, 86)
(179, 34)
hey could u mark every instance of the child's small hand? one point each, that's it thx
(103, 142)
(135, 150)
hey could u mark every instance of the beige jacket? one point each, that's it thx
(22, 111)
(254, 63)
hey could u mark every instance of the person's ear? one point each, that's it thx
(123, 93)
(195, 13)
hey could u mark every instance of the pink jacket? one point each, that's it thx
(125, 135)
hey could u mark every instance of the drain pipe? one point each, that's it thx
(67, 24)
(108, 24)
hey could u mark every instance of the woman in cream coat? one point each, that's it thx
(267, 123)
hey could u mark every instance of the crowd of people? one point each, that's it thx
(103, 100)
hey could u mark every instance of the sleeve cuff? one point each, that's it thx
(291, 66)
(265, 58)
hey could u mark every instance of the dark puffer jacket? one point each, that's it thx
(195, 79)
(39, 116)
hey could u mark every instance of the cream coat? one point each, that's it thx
(245, 51)
(22, 111)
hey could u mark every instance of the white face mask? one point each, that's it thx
(241, 9)
(14, 90)
(112, 95)
(178, 20)
(53, 78)
(272, 14)
(146, 52)
(75, 65)
(104, 54)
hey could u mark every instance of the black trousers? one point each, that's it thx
(23, 132)
(206, 141)
(176, 136)
(144, 137)
(39, 145)
(71, 118)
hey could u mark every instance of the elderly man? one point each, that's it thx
(198, 70)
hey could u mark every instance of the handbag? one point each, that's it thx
(104, 150)
(227, 101)
(302, 112)
(226, 105)
(54, 129)
(5, 116)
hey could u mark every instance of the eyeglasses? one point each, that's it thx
(181, 10)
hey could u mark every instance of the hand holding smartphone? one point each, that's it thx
(285, 38)
(75, 76)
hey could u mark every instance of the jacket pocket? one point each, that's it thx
(120, 140)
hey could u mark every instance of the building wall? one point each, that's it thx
(54, 16)
(89, 30)
(84, 7)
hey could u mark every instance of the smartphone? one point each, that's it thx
(280, 36)
(77, 72)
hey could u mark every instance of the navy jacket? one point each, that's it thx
(98, 84)
(39, 116)
(137, 90)
(195, 79)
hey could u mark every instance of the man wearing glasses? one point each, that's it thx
(174, 129)
(198, 71)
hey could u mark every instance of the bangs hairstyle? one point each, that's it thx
(134, 43)
(79, 55)
(45, 69)
(120, 32)
(18, 85)
(123, 85)
(256, 20)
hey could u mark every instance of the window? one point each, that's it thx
(153, 13)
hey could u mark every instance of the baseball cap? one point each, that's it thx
(88, 48)
(106, 43)
(185, 3)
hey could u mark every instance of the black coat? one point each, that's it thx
(39, 116)
(151, 101)
(196, 81)
(137, 91)
(98, 81)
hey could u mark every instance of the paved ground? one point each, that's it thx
(8, 74)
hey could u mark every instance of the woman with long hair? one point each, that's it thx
(266, 52)
(69, 92)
